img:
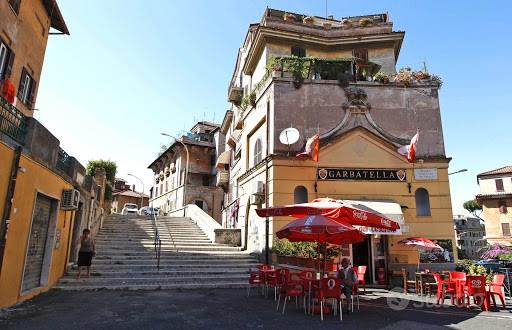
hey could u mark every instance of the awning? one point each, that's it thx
(233, 138)
(223, 158)
(388, 208)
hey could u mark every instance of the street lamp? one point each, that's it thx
(186, 169)
(459, 171)
(142, 194)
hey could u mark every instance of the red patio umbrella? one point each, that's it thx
(337, 210)
(318, 228)
(421, 243)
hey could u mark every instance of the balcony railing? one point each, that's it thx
(222, 179)
(63, 162)
(12, 121)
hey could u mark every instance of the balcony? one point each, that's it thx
(235, 94)
(223, 179)
(13, 122)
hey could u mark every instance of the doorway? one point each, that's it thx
(361, 256)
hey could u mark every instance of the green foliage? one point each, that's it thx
(109, 166)
(381, 77)
(365, 21)
(472, 206)
(471, 268)
(108, 192)
(283, 247)
(505, 256)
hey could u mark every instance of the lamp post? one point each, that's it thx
(459, 171)
(186, 169)
(142, 194)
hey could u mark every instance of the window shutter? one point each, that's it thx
(22, 84)
(361, 55)
(32, 95)
(8, 70)
(298, 51)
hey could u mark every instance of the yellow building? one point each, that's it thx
(318, 78)
(495, 197)
(39, 182)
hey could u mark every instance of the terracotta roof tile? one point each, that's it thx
(502, 170)
(129, 193)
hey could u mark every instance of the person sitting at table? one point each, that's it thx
(348, 277)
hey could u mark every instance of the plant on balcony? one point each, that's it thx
(346, 22)
(365, 21)
(167, 173)
(404, 76)
(309, 20)
(421, 75)
(289, 17)
(161, 177)
(437, 79)
(157, 180)
(247, 100)
(381, 77)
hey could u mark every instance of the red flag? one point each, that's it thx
(410, 151)
(312, 148)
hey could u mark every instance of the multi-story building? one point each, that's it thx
(128, 196)
(495, 197)
(470, 233)
(46, 197)
(199, 148)
(318, 76)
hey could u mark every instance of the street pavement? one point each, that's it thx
(232, 309)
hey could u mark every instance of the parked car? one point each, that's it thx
(130, 208)
(491, 264)
(148, 210)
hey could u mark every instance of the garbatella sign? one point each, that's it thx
(366, 174)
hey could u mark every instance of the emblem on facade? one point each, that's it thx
(401, 175)
(356, 98)
(322, 173)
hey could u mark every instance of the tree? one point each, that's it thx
(472, 207)
(109, 166)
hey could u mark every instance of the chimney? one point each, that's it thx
(330, 17)
(133, 188)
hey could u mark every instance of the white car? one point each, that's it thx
(130, 208)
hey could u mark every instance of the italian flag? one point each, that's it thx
(410, 151)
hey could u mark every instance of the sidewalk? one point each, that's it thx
(230, 308)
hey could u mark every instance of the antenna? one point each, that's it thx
(325, 9)
(289, 136)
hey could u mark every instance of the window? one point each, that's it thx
(6, 59)
(499, 185)
(257, 151)
(300, 195)
(422, 202)
(166, 185)
(298, 51)
(156, 191)
(502, 206)
(505, 228)
(26, 91)
(206, 180)
(15, 5)
(361, 55)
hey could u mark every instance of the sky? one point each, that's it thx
(132, 69)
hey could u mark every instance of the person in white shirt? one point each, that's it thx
(348, 277)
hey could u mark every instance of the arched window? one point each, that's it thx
(422, 202)
(300, 195)
(257, 151)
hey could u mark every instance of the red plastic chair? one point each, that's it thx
(307, 277)
(361, 271)
(292, 288)
(330, 288)
(443, 288)
(496, 288)
(282, 279)
(476, 288)
(255, 279)
(457, 276)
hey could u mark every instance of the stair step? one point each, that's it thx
(84, 286)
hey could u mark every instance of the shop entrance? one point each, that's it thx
(361, 256)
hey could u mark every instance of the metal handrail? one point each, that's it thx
(170, 234)
(158, 241)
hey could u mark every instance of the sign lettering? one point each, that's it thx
(361, 174)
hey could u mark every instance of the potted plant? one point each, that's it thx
(404, 76)
(252, 99)
(421, 75)
(365, 21)
(437, 79)
(157, 180)
(308, 20)
(381, 77)
(289, 18)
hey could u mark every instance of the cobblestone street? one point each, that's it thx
(230, 308)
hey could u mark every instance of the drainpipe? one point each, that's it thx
(4, 221)
(267, 225)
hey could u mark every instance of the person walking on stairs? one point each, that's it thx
(86, 252)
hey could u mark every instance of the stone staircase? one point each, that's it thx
(126, 258)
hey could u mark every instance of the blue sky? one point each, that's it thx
(133, 69)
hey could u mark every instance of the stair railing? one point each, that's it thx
(158, 241)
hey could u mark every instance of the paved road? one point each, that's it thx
(226, 309)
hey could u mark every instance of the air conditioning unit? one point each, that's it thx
(70, 199)
(258, 188)
(256, 199)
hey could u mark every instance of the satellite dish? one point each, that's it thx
(289, 136)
